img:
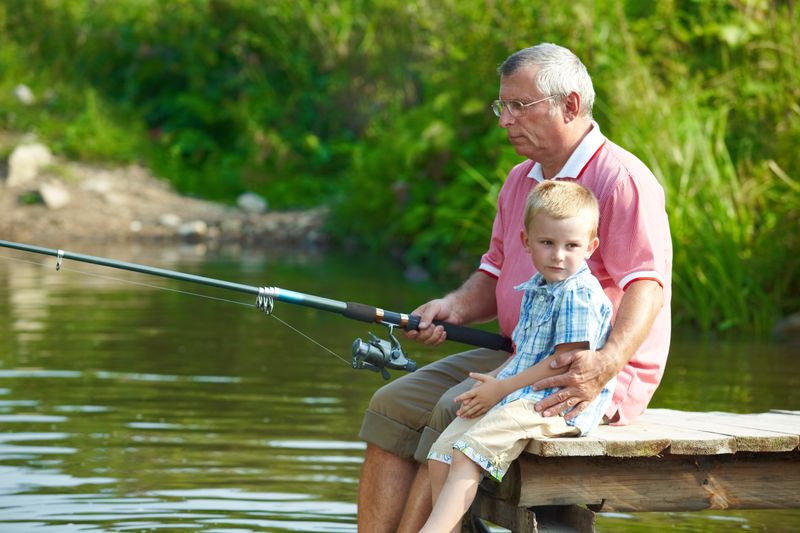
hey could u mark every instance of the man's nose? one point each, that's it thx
(506, 118)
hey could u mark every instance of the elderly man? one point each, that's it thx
(545, 105)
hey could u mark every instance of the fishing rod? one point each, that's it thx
(375, 354)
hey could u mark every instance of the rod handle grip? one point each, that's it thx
(467, 335)
(463, 334)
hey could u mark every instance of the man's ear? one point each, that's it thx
(593, 244)
(572, 106)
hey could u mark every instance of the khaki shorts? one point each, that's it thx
(498, 437)
(407, 415)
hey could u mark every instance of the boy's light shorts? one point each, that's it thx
(496, 438)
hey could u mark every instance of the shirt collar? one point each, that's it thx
(537, 282)
(580, 157)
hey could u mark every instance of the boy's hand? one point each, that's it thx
(481, 397)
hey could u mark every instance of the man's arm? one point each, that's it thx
(589, 370)
(473, 302)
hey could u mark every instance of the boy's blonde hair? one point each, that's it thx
(563, 199)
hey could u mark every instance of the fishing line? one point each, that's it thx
(60, 266)
(375, 354)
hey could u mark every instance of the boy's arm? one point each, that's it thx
(540, 370)
(466, 402)
(489, 391)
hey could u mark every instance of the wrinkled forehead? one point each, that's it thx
(521, 84)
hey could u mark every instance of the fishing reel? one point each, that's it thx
(377, 354)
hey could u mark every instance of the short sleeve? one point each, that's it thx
(492, 260)
(634, 233)
(583, 315)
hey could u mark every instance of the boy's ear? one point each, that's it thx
(593, 244)
(523, 235)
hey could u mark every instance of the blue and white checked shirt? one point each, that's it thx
(573, 310)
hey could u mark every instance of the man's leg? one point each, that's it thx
(419, 503)
(385, 482)
(392, 424)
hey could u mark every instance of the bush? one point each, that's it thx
(380, 109)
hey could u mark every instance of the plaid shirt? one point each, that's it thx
(572, 310)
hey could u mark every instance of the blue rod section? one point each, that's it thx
(281, 295)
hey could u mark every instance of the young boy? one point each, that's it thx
(563, 308)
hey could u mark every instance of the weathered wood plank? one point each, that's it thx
(781, 423)
(667, 483)
(504, 514)
(635, 440)
(564, 518)
(747, 439)
(681, 433)
(785, 412)
(550, 519)
(640, 439)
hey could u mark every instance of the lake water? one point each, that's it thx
(129, 404)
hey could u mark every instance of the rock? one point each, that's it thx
(24, 94)
(788, 328)
(251, 202)
(25, 163)
(54, 194)
(97, 184)
(231, 227)
(416, 274)
(169, 220)
(193, 231)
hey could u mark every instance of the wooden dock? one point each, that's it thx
(665, 461)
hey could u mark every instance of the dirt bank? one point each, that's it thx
(67, 202)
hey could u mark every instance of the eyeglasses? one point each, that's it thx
(515, 107)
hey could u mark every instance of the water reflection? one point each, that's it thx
(128, 408)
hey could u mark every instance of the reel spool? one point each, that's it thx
(377, 354)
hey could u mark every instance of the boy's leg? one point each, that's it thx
(441, 454)
(456, 495)
(392, 425)
(438, 473)
(419, 503)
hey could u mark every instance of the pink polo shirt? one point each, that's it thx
(635, 244)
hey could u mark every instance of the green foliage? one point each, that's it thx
(379, 108)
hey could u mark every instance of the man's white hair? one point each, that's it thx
(560, 73)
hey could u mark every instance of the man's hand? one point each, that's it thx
(590, 370)
(474, 301)
(481, 397)
(439, 309)
(582, 383)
